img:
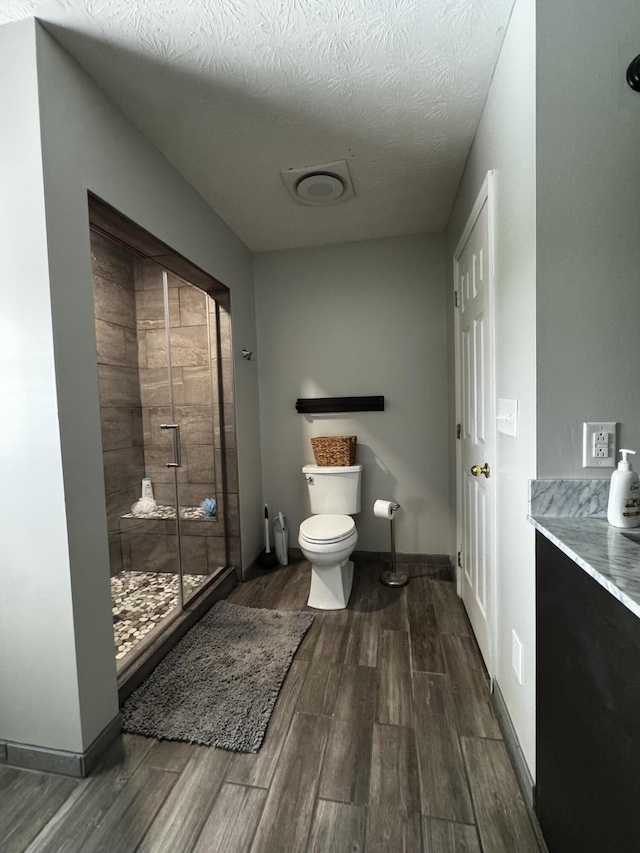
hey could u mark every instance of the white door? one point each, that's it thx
(475, 457)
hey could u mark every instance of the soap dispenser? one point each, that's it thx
(624, 495)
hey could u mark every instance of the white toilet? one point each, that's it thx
(328, 537)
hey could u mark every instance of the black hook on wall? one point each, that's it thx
(633, 74)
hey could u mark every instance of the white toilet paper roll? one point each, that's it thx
(385, 509)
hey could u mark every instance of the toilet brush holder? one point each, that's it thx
(393, 578)
(268, 559)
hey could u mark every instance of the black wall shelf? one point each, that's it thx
(329, 405)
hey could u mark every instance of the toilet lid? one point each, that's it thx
(327, 528)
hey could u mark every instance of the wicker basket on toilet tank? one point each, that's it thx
(335, 450)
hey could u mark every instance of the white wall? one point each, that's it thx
(588, 236)
(349, 320)
(60, 686)
(505, 142)
(37, 644)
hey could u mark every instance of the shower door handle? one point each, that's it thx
(177, 450)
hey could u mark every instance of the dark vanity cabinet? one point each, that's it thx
(588, 711)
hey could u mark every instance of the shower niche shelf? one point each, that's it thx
(190, 513)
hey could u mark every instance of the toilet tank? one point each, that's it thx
(333, 490)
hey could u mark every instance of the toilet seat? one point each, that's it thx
(327, 529)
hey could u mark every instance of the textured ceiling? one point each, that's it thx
(234, 91)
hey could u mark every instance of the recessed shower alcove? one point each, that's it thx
(163, 341)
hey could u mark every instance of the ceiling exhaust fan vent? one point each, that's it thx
(318, 185)
(320, 188)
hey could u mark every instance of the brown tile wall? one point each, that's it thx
(120, 405)
(195, 353)
(192, 385)
(134, 399)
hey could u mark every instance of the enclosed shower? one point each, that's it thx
(166, 410)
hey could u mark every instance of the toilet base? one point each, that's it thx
(331, 586)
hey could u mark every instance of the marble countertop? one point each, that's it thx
(601, 550)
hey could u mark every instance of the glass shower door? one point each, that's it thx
(193, 368)
(132, 382)
(166, 407)
(156, 546)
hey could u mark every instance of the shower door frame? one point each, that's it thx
(119, 229)
(176, 462)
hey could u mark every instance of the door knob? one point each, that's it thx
(476, 470)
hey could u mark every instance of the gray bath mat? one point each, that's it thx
(219, 685)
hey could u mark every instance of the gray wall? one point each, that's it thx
(349, 320)
(39, 701)
(567, 251)
(588, 192)
(505, 143)
(58, 656)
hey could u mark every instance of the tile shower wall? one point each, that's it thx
(193, 392)
(134, 397)
(195, 388)
(120, 404)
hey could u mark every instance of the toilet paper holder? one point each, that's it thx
(393, 578)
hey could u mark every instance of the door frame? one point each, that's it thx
(486, 195)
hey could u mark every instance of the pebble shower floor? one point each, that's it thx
(141, 600)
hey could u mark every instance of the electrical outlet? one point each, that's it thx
(599, 445)
(516, 656)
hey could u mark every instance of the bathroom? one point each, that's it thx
(386, 301)
(151, 555)
(374, 299)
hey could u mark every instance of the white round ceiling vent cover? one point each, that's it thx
(320, 188)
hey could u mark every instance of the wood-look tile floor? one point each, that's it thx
(383, 740)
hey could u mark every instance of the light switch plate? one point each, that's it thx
(599, 446)
(507, 417)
